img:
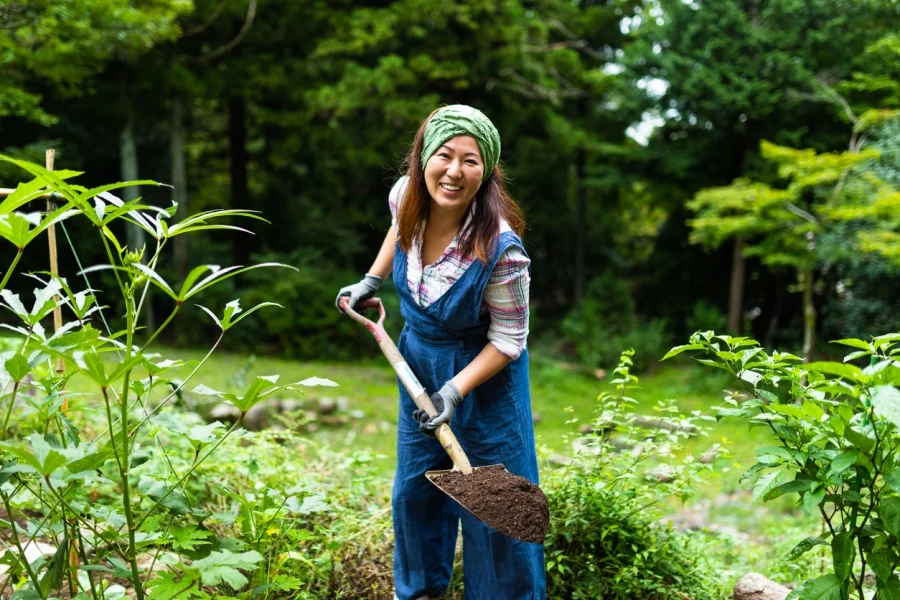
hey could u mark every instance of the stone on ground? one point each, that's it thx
(754, 586)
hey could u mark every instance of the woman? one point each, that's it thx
(463, 278)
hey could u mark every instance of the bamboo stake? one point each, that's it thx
(54, 271)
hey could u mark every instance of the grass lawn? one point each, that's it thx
(369, 390)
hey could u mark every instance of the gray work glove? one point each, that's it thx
(445, 402)
(358, 292)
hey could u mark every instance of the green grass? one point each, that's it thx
(370, 388)
(563, 396)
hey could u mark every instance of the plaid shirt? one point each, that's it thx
(505, 296)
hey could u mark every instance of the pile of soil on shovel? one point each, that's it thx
(510, 504)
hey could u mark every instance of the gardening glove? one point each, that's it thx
(445, 402)
(358, 292)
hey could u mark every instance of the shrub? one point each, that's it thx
(838, 431)
(605, 322)
(706, 315)
(605, 539)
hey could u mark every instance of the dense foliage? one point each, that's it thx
(837, 429)
(605, 541)
(59, 463)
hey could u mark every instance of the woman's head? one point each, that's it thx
(453, 166)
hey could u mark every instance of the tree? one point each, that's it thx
(60, 45)
(723, 76)
(780, 225)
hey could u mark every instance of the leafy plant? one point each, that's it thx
(605, 322)
(110, 496)
(837, 426)
(605, 539)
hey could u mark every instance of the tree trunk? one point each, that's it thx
(776, 311)
(179, 183)
(809, 314)
(128, 165)
(736, 297)
(579, 214)
(237, 164)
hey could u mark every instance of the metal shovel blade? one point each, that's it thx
(509, 503)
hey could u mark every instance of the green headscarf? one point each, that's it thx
(459, 119)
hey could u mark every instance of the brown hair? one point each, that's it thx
(491, 204)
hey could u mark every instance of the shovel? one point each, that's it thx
(509, 503)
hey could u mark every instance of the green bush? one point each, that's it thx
(605, 322)
(706, 315)
(836, 426)
(606, 540)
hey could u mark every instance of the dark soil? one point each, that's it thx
(510, 504)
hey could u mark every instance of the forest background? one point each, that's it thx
(615, 116)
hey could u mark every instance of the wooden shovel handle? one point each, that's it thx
(409, 379)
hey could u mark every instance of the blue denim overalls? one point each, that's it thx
(493, 425)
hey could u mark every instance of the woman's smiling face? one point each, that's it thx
(453, 173)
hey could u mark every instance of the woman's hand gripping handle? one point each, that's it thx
(410, 382)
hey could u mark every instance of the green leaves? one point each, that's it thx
(232, 310)
(224, 567)
(42, 458)
(679, 349)
(766, 483)
(193, 285)
(261, 388)
(189, 538)
(844, 461)
(881, 562)
(886, 402)
(843, 553)
(175, 501)
(804, 546)
(889, 588)
(850, 372)
(20, 229)
(53, 577)
(827, 587)
(892, 478)
(165, 586)
(17, 366)
(889, 511)
(797, 486)
(205, 434)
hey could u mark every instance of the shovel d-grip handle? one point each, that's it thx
(406, 375)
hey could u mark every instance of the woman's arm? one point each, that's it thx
(384, 262)
(488, 363)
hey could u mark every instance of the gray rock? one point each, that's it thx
(662, 474)
(754, 586)
(343, 403)
(652, 423)
(256, 418)
(708, 457)
(560, 460)
(536, 417)
(289, 405)
(224, 413)
(327, 405)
